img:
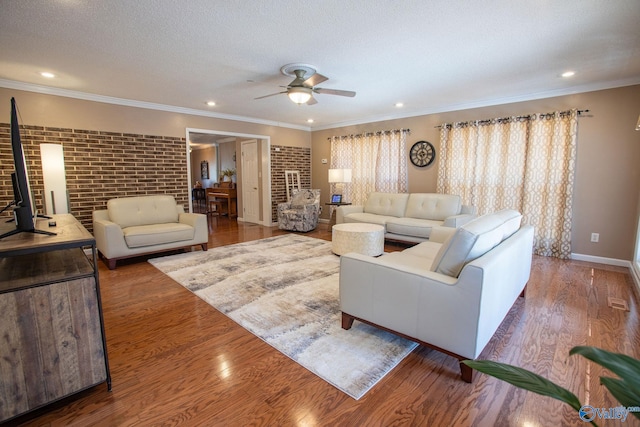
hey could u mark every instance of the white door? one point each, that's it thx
(250, 180)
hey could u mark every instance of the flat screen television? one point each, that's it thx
(23, 212)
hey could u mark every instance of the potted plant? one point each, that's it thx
(227, 174)
(625, 389)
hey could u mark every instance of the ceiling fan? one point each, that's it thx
(301, 89)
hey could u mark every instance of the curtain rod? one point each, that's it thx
(380, 132)
(528, 116)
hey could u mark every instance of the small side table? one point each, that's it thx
(332, 220)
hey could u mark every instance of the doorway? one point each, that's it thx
(250, 181)
(261, 169)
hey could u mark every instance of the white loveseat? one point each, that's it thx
(132, 226)
(408, 217)
(450, 293)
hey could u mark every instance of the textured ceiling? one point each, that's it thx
(433, 56)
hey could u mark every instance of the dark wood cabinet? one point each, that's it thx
(51, 324)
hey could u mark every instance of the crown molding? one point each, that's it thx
(48, 90)
(488, 103)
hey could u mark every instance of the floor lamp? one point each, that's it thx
(55, 183)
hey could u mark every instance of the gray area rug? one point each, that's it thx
(284, 289)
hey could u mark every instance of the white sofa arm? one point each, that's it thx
(341, 211)
(468, 209)
(440, 234)
(109, 238)
(199, 223)
(456, 221)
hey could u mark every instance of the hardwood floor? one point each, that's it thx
(177, 361)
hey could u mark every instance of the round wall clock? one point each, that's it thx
(422, 154)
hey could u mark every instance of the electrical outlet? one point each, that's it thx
(595, 237)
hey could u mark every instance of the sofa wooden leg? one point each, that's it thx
(524, 291)
(347, 321)
(111, 263)
(204, 246)
(466, 373)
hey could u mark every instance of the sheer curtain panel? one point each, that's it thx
(378, 162)
(524, 163)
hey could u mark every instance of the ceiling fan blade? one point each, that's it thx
(315, 79)
(312, 101)
(348, 93)
(273, 94)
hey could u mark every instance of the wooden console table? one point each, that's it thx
(51, 316)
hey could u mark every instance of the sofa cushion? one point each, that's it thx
(388, 204)
(157, 234)
(368, 218)
(433, 206)
(425, 250)
(474, 239)
(412, 226)
(142, 210)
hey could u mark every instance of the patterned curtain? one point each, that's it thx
(378, 162)
(524, 163)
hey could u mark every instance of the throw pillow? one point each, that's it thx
(302, 198)
(474, 239)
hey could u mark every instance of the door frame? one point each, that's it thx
(264, 142)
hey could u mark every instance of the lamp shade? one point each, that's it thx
(299, 95)
(339, 175)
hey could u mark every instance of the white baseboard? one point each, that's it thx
(602, 260)
(634, 269)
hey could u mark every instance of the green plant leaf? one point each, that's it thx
(525, 379)
(620, 390)
(626, 367)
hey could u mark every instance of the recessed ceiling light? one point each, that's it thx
(309, 120)
(47, 74)
(568, 74)
(211, 103)
(399, 104)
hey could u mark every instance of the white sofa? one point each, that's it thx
(132, 226)
(450, 293)
(408, 217)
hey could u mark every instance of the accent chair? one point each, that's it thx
(301, 213)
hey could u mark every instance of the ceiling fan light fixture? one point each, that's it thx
(299, 95)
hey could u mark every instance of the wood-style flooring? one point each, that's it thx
(175, 360)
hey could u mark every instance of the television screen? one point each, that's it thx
(23, 210)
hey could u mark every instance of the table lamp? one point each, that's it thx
(339, 177)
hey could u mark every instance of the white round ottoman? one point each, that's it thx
(365, 239)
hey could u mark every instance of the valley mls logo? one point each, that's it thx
(589, 413)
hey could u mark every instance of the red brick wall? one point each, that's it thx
(99, 166)
(287, 158)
